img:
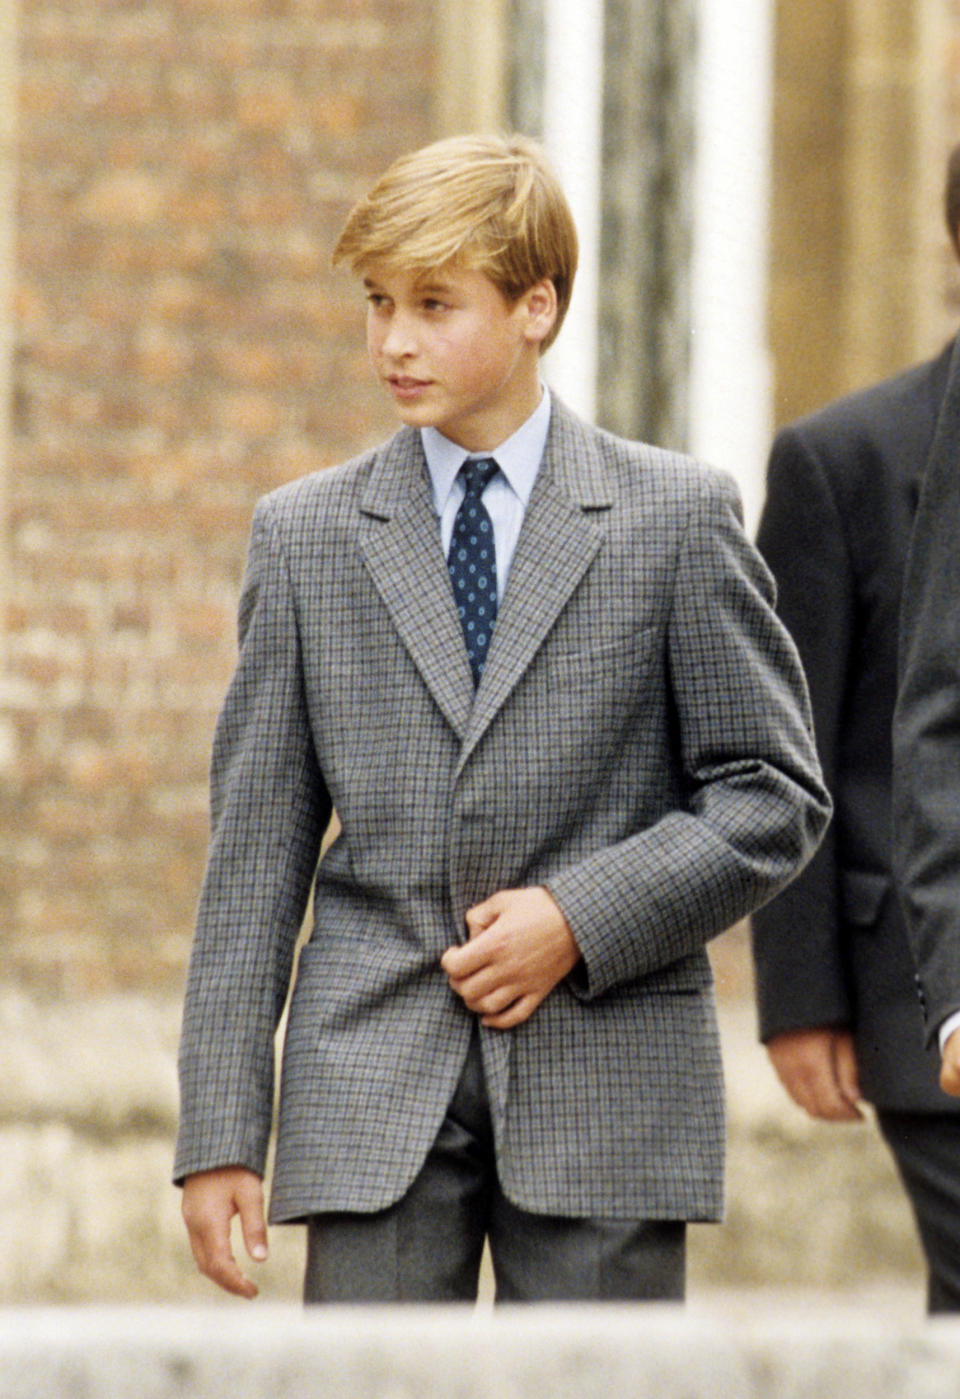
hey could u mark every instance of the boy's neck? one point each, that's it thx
(488, 433)
(493, 448)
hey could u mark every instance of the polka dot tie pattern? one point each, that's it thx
(472, 562)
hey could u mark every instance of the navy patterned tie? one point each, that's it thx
(472, 562)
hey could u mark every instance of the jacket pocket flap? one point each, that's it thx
(862, 893)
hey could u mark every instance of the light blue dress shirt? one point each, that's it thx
(506, 496)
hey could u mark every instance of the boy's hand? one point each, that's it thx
(210, 1200)
(520, 947)
(818, 1069)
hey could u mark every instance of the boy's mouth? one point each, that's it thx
(404, 386)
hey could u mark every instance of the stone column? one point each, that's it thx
(860, 261)
(882, 186)
(526, 31)
(8, 122)
(935, 275)
(647, 219)
(470, 91)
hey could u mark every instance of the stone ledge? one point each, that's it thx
(402, 1353)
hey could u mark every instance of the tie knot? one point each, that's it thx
(477, 475)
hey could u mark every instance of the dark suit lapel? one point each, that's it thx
(562, 531)
(400, 542)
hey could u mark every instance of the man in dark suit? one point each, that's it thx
(835, 980)
(502, 1024)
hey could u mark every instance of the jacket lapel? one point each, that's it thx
(400, 542)
(562, 531)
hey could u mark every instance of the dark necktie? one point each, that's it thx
(472, 562)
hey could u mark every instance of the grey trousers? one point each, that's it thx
(428, 1246)
(926, 1147)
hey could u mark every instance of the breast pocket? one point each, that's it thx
(612, 668)
(589, 701)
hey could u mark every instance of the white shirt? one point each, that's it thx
(508, 493)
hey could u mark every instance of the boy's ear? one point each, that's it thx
(541, 306)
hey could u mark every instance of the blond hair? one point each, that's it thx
(488, 203)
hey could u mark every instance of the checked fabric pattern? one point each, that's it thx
(638, 660)
(472, 562)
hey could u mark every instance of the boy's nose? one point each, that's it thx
(398, 339)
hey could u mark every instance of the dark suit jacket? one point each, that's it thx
(832, 950)
(639, 743)
(927, 725)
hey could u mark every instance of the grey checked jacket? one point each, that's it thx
(639, 744)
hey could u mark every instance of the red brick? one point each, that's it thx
(183, 346)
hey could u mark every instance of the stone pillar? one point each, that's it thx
(647, 218)
(935, 275)
(730, 370)
(860, 261)
(882, 186)
(526, 28)
(8, 121)
(470, 90)
(807, 234)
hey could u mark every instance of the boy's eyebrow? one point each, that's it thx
(421, 286)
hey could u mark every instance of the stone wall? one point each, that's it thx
(180, 346)
(565, 1353)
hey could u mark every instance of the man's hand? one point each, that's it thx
(210, 1201)
(950, 1066)
(520, 947)
(818, 1069)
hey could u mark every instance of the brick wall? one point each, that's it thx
(181, 347)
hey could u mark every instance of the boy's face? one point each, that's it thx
(454, 354)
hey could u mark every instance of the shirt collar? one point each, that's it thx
(518, 457)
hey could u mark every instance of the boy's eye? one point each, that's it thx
(376, 299)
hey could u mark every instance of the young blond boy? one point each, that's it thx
(551, 792)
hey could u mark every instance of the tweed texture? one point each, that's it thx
(639, 743)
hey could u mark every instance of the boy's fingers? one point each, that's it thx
(487, 999)
(482, 915)
(222, 1268)
(464, 960)
(514, 1015)
(253, 1225)
(210, 1200)
(210, 1243)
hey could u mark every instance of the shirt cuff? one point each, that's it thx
(947, 1028)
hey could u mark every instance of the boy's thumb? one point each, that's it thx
(253, 1225)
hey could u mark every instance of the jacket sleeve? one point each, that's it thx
(753, 805)
(269, 809)
(798, 958)
(926, 733)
